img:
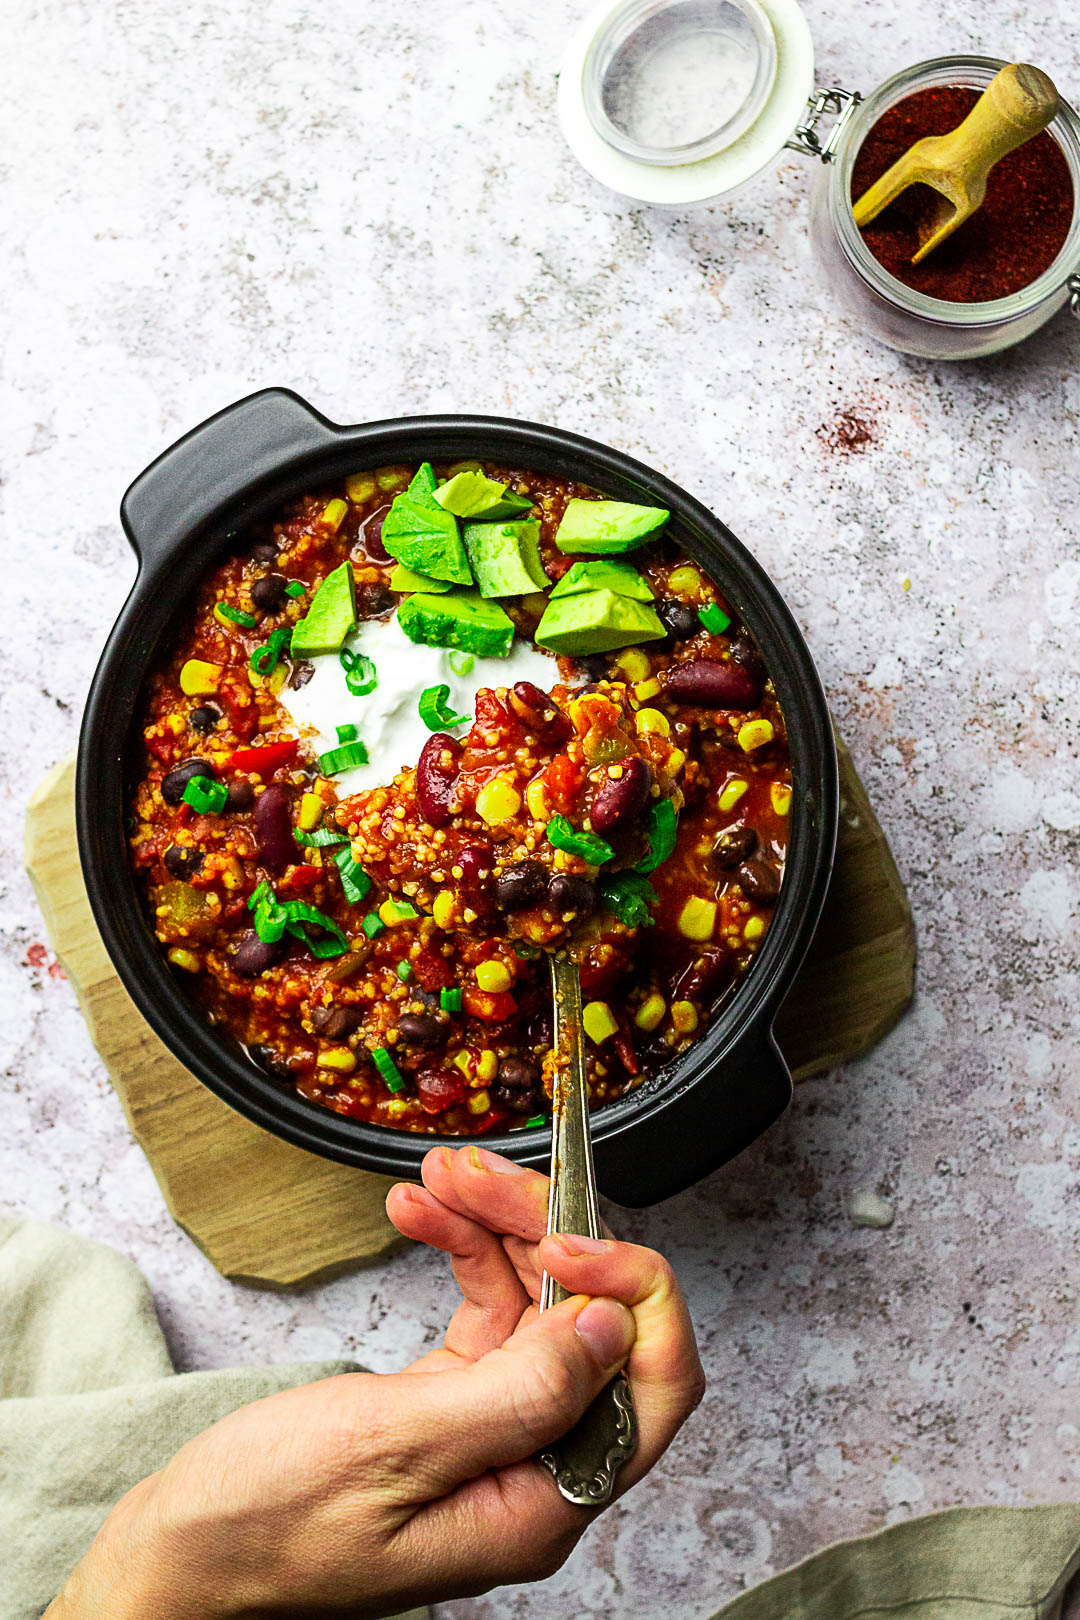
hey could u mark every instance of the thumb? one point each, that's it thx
(520, 1396)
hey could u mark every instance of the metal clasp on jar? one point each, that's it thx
(807, 138)
(1074, 300)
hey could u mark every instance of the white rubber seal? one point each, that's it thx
(710, 179)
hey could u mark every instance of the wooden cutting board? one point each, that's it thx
(270, 1214)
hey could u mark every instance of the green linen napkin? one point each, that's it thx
(89, 1402)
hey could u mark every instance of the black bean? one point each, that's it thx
(255, 955)
(540, 1030)
(300, 676)
(517, 1074)
(519, 1102)
(678, 619)
(268, 593)
(371, 534)
(420, 1029)
(522, 885)
(745, 653)
(336, 1022)
(241, 796)
(181, 861)
(173, 785)
(374, 600)
(265, 551)
(620, 799)
(760, 880)
(596, 667)
(204, 718)
(569, 893)
(703, 980)
(266, 1058)
(273, 827)
(733, 846)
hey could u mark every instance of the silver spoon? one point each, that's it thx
(585, 1461)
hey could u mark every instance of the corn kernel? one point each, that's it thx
(339, 1058)
(311, 809)
(463, 1061)
(755, 734)
(755, 927)
(731, 793)
(685, 581)
(676, 760)
(633, 663)
(443, 908)
(651, 720)
(232, 873)
(650, 1012)
(493, 976)
(332, 515)
(479, 1102)
(360, 487)
(497, 801)
(598, 1021)
(200, 679)
(188, 960)
(537, 800)
(396, 1108)
(697, 919)
(684, 1017)
(780, 794)
(644, 690)
(487, 1065)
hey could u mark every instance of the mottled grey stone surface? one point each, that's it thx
(371, 202)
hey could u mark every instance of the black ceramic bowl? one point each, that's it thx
(179, 515)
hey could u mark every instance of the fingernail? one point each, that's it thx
(483, 1160)
(573, 1243)
(607, 1328)
(420, 1195)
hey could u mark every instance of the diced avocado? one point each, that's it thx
(596, 621)
(473, 495)
(622, 578)
(462, 619)
(505, 557)
(603, 527)
(426, 539)
(422, 489)
(330, 617)
(405, 580)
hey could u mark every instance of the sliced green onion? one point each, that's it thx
(433, 711)
(663, 821)
(330, 942)
(295, 588)
(462, 663)
(345, 758)
(360, 676)
(404, 972)
(590, 848)
(714, 618)
(237, 615)
(205, 795)
(537, 1119)
(373, 925)
(347, 734)
(450, 1000)
(354, 880)
(321, 838)
(629, 897)
(270, 917)
(388, 1069)
(264, 660)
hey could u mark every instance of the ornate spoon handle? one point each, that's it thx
(585, 1461)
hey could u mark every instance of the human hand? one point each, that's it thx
(361, 1495)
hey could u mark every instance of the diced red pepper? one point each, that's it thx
(302, 877)
(493, 1005)
(563, 780)
(433, 971)
(265, 757)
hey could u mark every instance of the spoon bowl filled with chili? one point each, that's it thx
(392, 711)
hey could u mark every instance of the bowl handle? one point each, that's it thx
(227, 454)
(699, 1129)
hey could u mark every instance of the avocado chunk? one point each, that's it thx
(473, 495)
(602, 575)
(424, 484)
(505, 557)
(596, 621)
(462, 619)
(406, 580)
(603, 527)
(425, 538)
(330, 617)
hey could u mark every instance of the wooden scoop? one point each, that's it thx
(1016, 104)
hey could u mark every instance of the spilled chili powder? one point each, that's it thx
(1008, 243)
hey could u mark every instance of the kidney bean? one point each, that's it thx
(273, 828)
(624, 1047)
(517, 1075)
(519, 1102)
(420, 1029)
(241, 796)
(336, 1022)
(537, 711)
(374, 600)
(733, 846)
(255, 955)
(703, 980)
(436, 775)
(182, 862)
(712, 685)
(439, 1089)
(173, 785)
(760, 880)
(371, 535)
(204, 718)
(268, 593)
(266, 1058)
(678, 619)
(621, 798)
(569, 893)
(522, 885)
(476, 862)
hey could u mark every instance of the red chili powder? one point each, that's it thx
(1006, 244)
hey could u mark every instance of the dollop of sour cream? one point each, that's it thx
(387, 720)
